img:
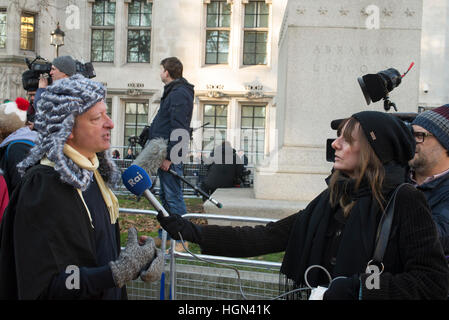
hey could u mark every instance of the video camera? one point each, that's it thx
(86, 69)
(376, 87)
(133, 140)
(40, 66)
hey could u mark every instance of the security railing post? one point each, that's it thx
(162, 289)
(174, 254)
(172, 270)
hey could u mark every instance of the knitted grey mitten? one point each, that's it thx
(132, 259)
(154, 271)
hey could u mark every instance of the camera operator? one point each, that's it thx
(430, 165)
(62, 67)
(223, 172)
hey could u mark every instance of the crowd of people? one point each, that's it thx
(59, 209)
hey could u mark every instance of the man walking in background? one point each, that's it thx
(175, 112)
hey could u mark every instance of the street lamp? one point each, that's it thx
(57, 38)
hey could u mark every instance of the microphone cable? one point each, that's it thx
(240, 280)
(215, 263)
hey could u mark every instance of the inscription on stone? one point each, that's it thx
(135, 85)
(354, 51)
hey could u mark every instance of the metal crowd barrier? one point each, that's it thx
(259, 279)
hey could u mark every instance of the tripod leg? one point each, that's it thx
(204, 194)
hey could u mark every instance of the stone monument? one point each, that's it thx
(324, 47)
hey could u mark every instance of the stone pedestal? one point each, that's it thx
(324, 46)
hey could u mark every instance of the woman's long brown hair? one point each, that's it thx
(370, 168)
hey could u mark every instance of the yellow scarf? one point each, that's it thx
(92, 165)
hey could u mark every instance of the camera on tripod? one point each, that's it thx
(377, 86)
(133, 140)
(374, 88)
(41, 66)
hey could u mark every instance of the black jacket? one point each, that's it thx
(415, 267)
(437, 195)
(45, 229)
(12, 151)
(223, 172)
(175, 112)
(16, 153)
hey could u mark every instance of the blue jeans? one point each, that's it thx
(171, 191)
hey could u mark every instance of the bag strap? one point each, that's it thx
(383, 231)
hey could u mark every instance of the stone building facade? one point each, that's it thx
(231, 53)
(228, 48)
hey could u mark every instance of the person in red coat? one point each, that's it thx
(4, 197)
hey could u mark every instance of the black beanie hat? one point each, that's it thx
(389, 137)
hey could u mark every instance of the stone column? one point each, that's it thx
(324, 46)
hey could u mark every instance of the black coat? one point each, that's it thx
(175, 112)
(16, 153)
(437, 195)
(44, 229)
(225, 171)
(415, 267)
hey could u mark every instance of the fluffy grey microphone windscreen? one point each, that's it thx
(152, 156)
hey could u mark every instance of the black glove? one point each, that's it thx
(176, 223)
(343, 289)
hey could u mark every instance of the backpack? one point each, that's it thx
(28, 142)
(4, 159)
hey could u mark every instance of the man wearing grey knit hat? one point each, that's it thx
(430, 165)
(62, 67)
(63, 64)
(60, 237)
